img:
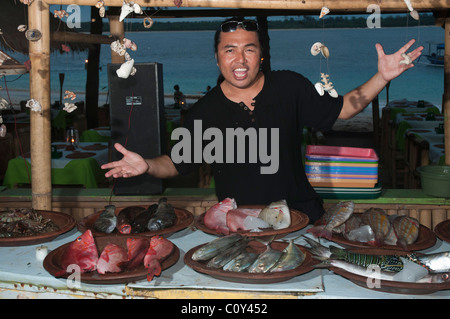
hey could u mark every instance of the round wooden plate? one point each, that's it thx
(426, 239)
(442, 230)
(184, 219)
(299, 221)
(52, 263)
(64, 221)
(391, 286)
(252, 278)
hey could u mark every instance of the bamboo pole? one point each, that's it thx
(446, 99)
(341, 5)
(116, 29)
(40, 134)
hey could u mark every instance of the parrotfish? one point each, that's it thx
(407, 230)
(378, 220)
(336, 216)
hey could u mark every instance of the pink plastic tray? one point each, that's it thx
(344, 151)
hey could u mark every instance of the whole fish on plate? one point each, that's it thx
(136, 250)
(291, 258)
(216, 216)
(159, 249)
(164, 216)
(140, 222)
(265, 260)
(337, 216)
(319, 251)
(82, 252)
(215, 246)
(110, 258)
(435, 263)
(125, 218)
(228, 254)
(241, 262)
(107, 220)
(277, 215)
(406, 229)
(378, 220)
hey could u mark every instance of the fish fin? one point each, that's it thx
(154, 269)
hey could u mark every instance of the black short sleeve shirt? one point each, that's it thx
(287, 103)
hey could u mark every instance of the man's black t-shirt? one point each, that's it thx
(288, 102)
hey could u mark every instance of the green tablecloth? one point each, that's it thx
(93, 136)
(84, 172)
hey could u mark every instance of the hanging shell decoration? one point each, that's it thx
(33, 35)
(118, 47)
(100, 4)
(128, 8)
(69, 107)
(34, 105)
(148, 22)
(70, 95)
(129, 44)
(3, 104)
(326, 86)
(414, 14)
(22, 28)
(126, 69)
(65, 48)
(324, 12)
(101, 12)
(60, 14)
(406, 59)
(319, 47)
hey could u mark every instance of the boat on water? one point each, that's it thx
(435, 56)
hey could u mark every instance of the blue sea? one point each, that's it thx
(188, 60)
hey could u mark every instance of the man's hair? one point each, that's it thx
(219, 31)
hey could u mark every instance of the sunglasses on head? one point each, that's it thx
(231, 26)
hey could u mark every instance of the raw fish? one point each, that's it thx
(160, 248)
(241, 262)
(378, 220)
(407, 230)
(107, 220)
(291, 258)
(110, 258)
(125, 217)
(82, 252)
(227, 255)
(137, 248)
(277, 215)
(139, 224)
(336, 216)
(164, 216)
(265, 261)
(216, 246)
(237, 216)
(216, 216)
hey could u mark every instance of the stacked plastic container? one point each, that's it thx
(342, 172)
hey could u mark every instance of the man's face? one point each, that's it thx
(239, 57)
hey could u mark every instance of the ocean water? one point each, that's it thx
(188, 60)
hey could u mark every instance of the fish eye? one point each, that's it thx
(445, 276)
(79, 238)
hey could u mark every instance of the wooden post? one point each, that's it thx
(40, 122)
(446, 99)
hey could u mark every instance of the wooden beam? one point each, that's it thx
(341, 5)
(40, 125)
(82, 37)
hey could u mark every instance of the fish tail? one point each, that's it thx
(337, 253)
(154, 269)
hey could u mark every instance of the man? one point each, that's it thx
(280, 101)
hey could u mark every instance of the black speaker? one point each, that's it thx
(138, 122)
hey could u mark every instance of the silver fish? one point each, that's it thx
(216, 246)
(241, 262)
(436, 263)
(164, 216)
(224, 257)
(292, 258)
(265, 260)
(107, 220)
(357, 269)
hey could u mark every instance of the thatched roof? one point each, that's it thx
(14, 13)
